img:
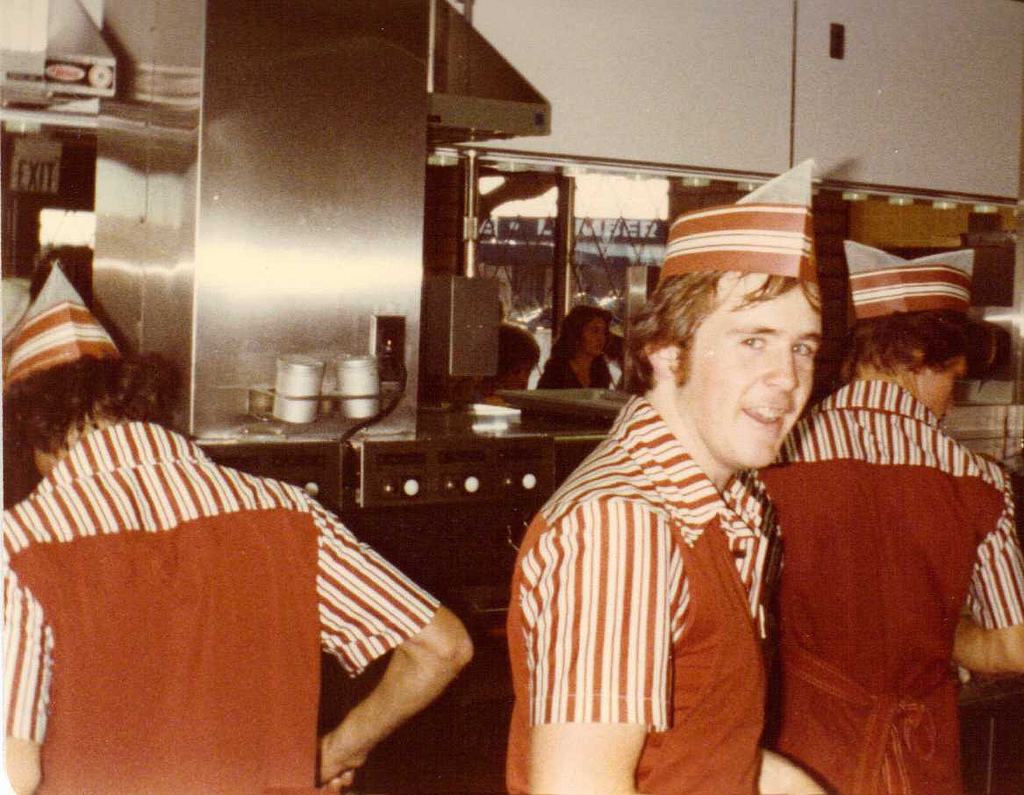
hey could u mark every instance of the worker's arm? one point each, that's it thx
(990, 651)
(779, 776)
(585, 758)
(24, 769)
(418, 671)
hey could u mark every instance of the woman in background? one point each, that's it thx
(577, 357)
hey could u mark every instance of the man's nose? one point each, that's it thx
(782, 370)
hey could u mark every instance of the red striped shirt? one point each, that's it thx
(600, 593)
(139, 477)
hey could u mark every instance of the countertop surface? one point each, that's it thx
(474, 420)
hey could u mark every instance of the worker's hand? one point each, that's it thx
(339, 761)
(341, 783)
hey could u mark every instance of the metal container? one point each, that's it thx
(359, 386)
(297, 388)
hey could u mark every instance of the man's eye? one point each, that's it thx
(754, 342)
(805, 349)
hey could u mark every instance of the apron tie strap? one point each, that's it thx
(898, 728)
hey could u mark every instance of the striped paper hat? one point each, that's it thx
(56, 329)
(767, 231)
(883, 284)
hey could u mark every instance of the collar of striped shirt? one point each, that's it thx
(683, 487)
(879, 396)
(121, 446)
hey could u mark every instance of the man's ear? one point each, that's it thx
(664, 362)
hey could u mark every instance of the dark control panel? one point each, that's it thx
(468, 470)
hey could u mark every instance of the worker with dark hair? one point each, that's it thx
(518, 355)
(163, 615)
(901, 555)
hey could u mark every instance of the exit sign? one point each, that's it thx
(35, 167)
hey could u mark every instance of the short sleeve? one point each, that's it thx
(28, 657)
(601, 598)
(367, 606)
(996, 595)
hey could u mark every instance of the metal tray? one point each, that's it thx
(591, 404)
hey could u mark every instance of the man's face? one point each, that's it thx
(750, 374)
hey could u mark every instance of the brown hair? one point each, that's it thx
(570, 334)
(674, 312)
(516, 348)
(44, 408)
(906, 341)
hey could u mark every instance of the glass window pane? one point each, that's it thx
(516, 247)
(620, 221)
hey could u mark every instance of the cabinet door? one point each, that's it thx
(927, 94)
(683, 82)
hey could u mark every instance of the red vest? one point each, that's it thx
(717, 694)
(876, 567)
(184, 661)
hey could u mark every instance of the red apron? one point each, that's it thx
(184, 661)
(875, 744)
(718, 689)
(876, 566)
(713, 746)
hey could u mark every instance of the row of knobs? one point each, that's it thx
(469, 485)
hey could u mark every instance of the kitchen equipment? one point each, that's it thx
(358, 386)
(281, 208)
(588, 405)
(297, 388)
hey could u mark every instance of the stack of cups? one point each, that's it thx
(297, 389)
(358, 386)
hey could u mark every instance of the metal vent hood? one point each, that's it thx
(74, 60)
(474, 93)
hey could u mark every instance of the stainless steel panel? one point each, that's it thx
(311, 207)
(143, 268)
(277, 218)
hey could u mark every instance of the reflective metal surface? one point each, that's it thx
(276, 216)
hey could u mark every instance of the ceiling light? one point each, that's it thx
(696, 182)
(437, 159)
(854, 196)
(510, 166)
(943, 204)
(985, 209)
(900, 201)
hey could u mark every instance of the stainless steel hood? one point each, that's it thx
(76, 61)
(474, 93)
(279, 209)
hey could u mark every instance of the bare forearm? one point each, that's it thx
(22, 759)
(405, 688)
(585, 758)
(418, 671)
(990, 651)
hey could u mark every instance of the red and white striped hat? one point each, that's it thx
(767, 231)
(55, 329)
(883, 284)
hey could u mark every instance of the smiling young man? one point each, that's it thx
(635, 620)
(891, 530)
